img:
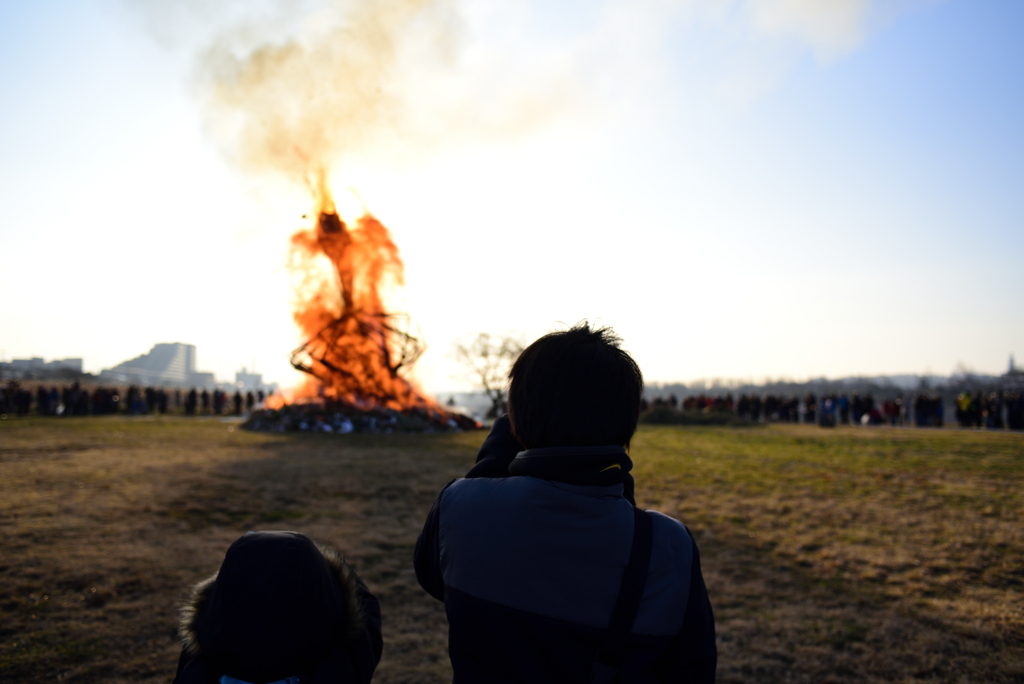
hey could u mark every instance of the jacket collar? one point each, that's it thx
(591, 465)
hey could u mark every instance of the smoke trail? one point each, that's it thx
(295, 86)
(295, 106)
(830, 27)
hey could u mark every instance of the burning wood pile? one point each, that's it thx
(343, 420)
(354, 348)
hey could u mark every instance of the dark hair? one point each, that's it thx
(575, 388)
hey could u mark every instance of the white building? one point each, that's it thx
(171, 363)
(38, 364)
(248, 381)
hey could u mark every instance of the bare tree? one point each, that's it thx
(487, 359)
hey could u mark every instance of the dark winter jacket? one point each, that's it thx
(281, 606)
(529, 567)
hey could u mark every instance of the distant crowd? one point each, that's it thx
(994, 410)
(978, 409)
(75, 400)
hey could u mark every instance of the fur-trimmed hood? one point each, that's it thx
(347, 580)
(280, 605)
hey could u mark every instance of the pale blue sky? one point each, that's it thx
(739, 194)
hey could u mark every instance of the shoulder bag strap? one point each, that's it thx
(609, 656)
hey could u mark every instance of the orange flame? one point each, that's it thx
(354, 347)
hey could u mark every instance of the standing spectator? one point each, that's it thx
(994, 411)
(827, 410)
(963, 409)
(743, 407)
(1014, 411)
(891, 411)
(530, 551)
(161, 399)
(810, 404)
(939, 411)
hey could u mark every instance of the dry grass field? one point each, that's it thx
(850, 555)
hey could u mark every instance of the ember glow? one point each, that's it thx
(354, 347)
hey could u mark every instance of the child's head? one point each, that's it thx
(280, 606)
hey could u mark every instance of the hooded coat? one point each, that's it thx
(281, 606)
(528, 552)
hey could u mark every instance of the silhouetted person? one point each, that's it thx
(23, 398)
(1014, 411)
(994, 411)
(134, 400)
(891, 411)
(922, 410)
(743, 407)
(827, 410)
(218, 401)
(548, 571)
(82, 408)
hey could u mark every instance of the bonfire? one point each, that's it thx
(355, 350)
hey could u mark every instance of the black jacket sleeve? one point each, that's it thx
(497, 451)
(426, 559)
(693, 655)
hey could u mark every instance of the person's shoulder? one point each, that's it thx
(473, 487)
(670, 531)
(466, 489)
(475, 494)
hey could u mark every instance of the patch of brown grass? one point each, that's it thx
(852, 555)
(846, 555)
(104, 523)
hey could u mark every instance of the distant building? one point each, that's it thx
(166, 364)
(1014, 377)
(200, 380)
(35, 363)
(248, 381)
(75, 365)
(39, 367)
